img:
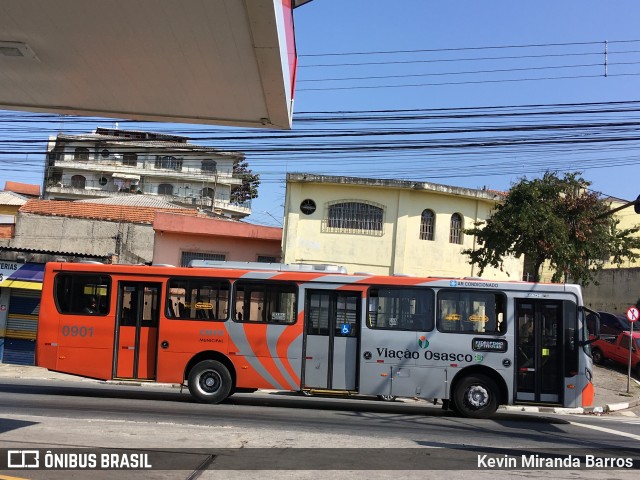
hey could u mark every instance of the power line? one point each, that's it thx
(459, 49)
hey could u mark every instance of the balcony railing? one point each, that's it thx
(185, 173)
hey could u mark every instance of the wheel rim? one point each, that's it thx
(387, 398)
(209, 382)
(477, 396)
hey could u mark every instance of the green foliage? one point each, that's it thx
(250, 183)
(555, 219)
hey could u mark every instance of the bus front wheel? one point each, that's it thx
(476, 396)
(210, 382)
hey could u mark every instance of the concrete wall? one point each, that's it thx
(618, 289)
(84, 236)
(399, 249)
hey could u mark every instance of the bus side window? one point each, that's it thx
(201, 299)
(462, 311)
(82, 294)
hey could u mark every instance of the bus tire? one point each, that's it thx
(598, 357)
(476, 396)
(210, 382)
(387, 398)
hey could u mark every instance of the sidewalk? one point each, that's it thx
(610, 386)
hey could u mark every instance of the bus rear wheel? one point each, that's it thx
(476, 396)
(210, 382)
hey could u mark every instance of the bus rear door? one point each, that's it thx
(136, 339)
(331, 342)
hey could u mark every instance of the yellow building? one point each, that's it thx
(628, 219)
(10, 203)
(386, 226)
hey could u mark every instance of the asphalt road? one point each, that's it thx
(343, 434)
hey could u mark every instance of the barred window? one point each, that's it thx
(427, 224)
(188, 256)
(354, 217)
(267, 259)
(455, 232)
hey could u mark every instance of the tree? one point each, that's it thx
(555, 219)
(250, 182)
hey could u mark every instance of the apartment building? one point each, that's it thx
(110, 162)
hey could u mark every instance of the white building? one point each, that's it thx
(113, 162)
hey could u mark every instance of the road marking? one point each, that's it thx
(607, 430)
(4, 477)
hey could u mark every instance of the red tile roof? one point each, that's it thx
(94, 211)
(23, 188)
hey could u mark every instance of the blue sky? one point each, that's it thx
(431, 44)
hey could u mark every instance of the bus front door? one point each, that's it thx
(332, 330)
(136, 336)
(539, 355)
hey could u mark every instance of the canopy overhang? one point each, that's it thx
(225, 62)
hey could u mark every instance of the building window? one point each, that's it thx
(209, 166)
(81, 153)
(207, 193)
(364, 218)
(169, 162)
(455, 232)
(188, 256)
(78, 181)
(130, 160)
(165, 189)
(427, 224)
(267, 259)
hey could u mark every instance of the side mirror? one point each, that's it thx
(595, 335)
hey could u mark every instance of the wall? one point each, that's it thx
(618, 289)
(169, 247)
(90, 237)
(238, 241)
(399, 249)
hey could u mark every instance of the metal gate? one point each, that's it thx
(22, 326)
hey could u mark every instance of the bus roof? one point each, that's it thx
(325, 273)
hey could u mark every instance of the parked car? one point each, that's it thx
(610, 323)
(616, 348)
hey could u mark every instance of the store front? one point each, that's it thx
(20, 290)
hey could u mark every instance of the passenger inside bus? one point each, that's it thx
(92, 306)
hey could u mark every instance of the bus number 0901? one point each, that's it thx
(75, 331)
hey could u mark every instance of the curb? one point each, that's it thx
(608, 408)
